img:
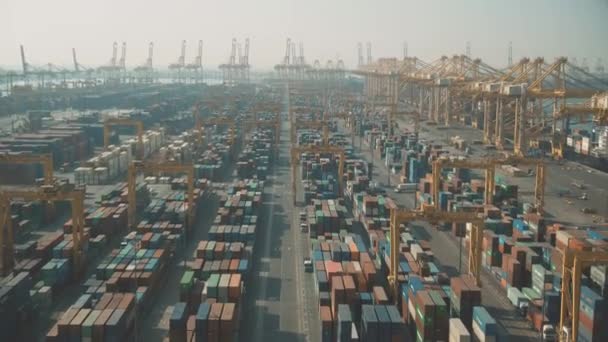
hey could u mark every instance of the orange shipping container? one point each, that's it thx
(227, 322)
(75, 324)
(354, 252)
(191, 323)
(337, 294)
(350, 290)
(234, 288)
(215, 313)
(332, 269)
(234, 265)
(326, 321)
(100, 322)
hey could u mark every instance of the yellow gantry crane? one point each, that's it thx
(485, 164)
(222, 121)
(574, 262)
(157, 168)
(432, 215)
(48, 193)
(276, 124)
(46, 160)
(313, 124)
(139, 127)
(296, 152)
(489, 165)
(596, 106)
(266, 107)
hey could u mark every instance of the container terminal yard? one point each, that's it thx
(399, 199)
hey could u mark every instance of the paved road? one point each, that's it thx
(446, 251)
(279, 299)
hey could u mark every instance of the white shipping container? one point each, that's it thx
(94, 178)
(563, 237)
(492, 87)
(416, 250)
(458, 332)
(101, 173)
(601, 101)
(602, 141)
(480, 335)
(598, 275)
(585, 145)
(410, 306)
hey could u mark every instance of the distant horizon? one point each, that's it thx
(328, 30)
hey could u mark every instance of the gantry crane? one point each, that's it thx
(198, 125)
(596, 106)
(266, 107)
(78, 68)
(276, 124)
(574, 262)
(197, 66)
(46, 160)
(156, 168)
(297, 151)
(181, 62)
(47, 193)
(222, 121)
(490, 165)
(146, 70)
(485, 164)
(318, 124)
(431, 215)
(139, 127)
(347, 117)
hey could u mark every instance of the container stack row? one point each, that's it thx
(212, 290)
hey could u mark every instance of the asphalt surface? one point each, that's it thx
(447, 252)
(280, 304)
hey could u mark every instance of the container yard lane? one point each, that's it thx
(276, 308)
(447, 251)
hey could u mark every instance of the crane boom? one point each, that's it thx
(76, 67)
(114, 54)
(182, 57)
(150, 55)
(23, 62)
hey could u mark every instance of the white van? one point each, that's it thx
(406, 187)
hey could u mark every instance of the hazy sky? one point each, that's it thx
(328, 28)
